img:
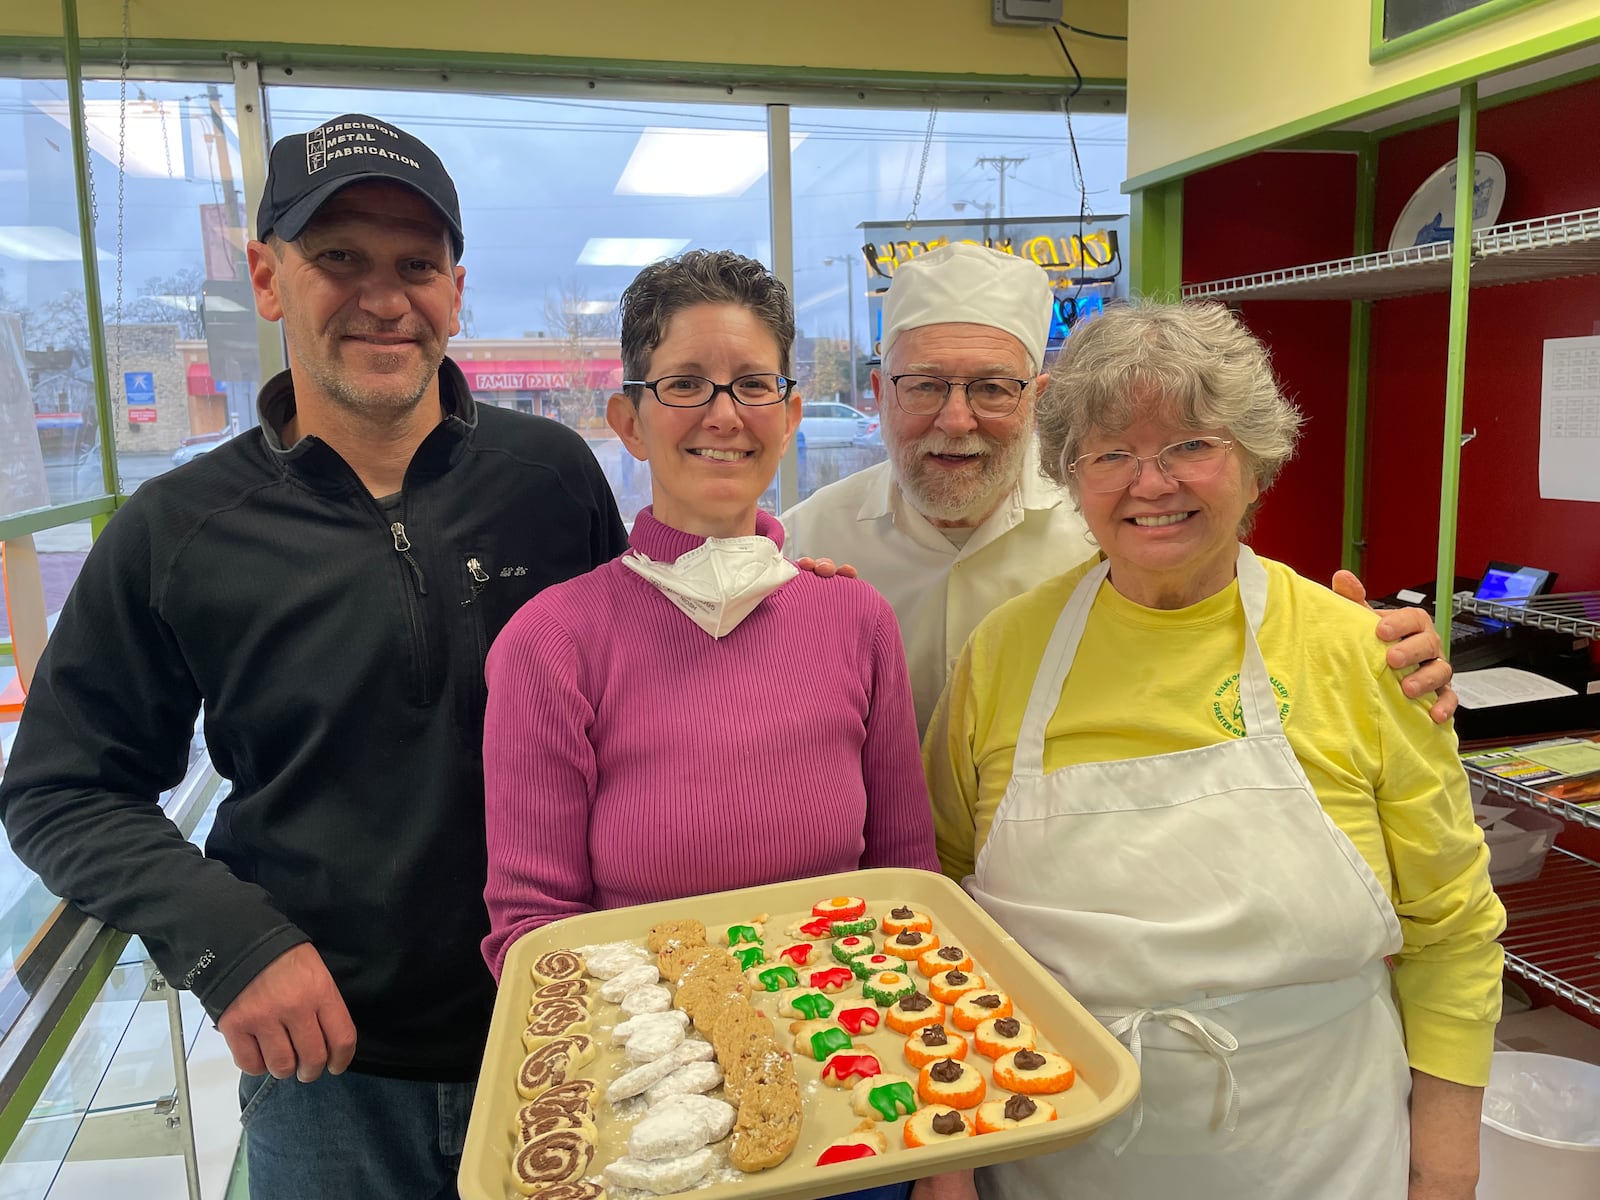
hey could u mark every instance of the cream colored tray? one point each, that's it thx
(1107, 1080)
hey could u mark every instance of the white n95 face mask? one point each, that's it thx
(718, 584)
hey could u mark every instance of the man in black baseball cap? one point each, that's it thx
(308, 168)
(326, 585)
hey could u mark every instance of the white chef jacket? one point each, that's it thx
(938, 591)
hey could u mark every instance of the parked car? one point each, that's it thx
(193, 446)
(870, 438)
(824, 423)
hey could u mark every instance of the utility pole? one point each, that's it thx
(1000, 162)
(850, 308)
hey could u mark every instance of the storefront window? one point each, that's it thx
(562, 202)
(1005, 179)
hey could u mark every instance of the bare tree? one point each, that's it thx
(584, 327)
(173, 299)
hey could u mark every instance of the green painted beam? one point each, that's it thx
(50, 518)
(1353, 555)
(1581, 33)
(1456, 364)
(1156, 227)
(86, 245)
(1510, 96)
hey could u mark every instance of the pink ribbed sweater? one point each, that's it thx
(630, 757)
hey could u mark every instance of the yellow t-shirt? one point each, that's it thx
(1149, 681)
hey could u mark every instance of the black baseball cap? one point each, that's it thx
(307, 168)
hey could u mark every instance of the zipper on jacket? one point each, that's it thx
(402, 545)
(479, 578)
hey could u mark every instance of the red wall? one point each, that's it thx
(1278, 209)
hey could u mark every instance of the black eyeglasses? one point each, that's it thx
(923, 395)
(692, 391)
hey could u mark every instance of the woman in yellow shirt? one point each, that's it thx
(1182, 781)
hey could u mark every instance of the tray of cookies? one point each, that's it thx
(796, 1040)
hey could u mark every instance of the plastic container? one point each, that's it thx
(1518, 843)
(1533, 1097)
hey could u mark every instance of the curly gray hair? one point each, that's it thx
(1195, 361)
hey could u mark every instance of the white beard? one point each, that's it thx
(968, 494)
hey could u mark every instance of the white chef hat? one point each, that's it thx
(963, 282)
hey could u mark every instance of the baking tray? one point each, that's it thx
(1107, 1079)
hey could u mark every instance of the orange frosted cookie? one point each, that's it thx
(936, 959)
(950, 986)
(1033, 1072)
(951, 1081)
(1013, 1111)
(933, 1042)
(904, 917)
(998, 1035)
(910, 944)
(974, 1007)
(910, 1013)
(930, 1125)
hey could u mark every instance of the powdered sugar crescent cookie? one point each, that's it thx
(634, 1082)
(910, 1013)
(903, 917)
(667, 1133)
(943, 958)
(935, 1124)
(1034, 1072)
(651, 998)
(974, 1007)
(883, 1097)
(553, 1063)
(620, 984)
(716, 1115)
(556, 965)
(557, 1156)
(693, 1078)
(950, 986)
(1013, 1111)
(661, 1178)
(997, 1035)
(685, 931)
(933, 1042)
(647, 1045)
(625, 1030)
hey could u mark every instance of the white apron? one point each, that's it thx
(1206, 909)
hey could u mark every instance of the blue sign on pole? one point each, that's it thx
(140, 388)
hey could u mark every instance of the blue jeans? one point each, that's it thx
(353, 1137)
(892, 1191)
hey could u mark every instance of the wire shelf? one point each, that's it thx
(1521, 793)
(1576, 613)
(1551, 247)
(1552, 935)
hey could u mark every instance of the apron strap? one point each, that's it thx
(1256, 699)
(1028, 762)
(1211, 1037)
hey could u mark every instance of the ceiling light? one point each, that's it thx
(626, 251)
(696, 162)
(42, 243)
(153, 145)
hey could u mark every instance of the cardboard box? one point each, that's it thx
(1549, 1030)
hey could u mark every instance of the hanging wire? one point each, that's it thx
(922, 171)
(1090, 33)
(1077, 165)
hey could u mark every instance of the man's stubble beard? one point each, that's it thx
(388, 405)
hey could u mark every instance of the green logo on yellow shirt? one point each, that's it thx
(1229, 712)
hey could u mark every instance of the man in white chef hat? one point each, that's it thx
(958, 520)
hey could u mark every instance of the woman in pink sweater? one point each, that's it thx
(697, 715)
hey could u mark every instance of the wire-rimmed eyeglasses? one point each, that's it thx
(692, 391)
(1186, 462)
(923, 395)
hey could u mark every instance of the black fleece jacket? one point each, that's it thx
(338, 651)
